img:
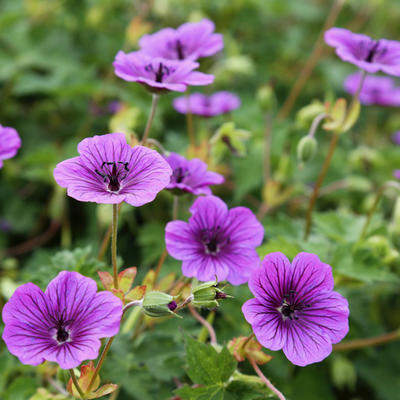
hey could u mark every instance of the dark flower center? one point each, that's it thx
(62, 335)
(179, 50)
(291, 307)
(113, 173)
(180, 174)
(162, 71)
(214, 239)
(374, 51)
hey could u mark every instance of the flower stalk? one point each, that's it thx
(189, 120)
(76, 384)
(267, 382)
(205, 323)
(154, 103)
(114, 230)
(368, 342)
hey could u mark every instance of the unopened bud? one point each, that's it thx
(158, 304)
(266, 98)
(206, 294)
(306, 149)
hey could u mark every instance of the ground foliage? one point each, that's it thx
(56, 82)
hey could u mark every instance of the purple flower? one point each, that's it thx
(159, 74)
(216, 242)
(396, 138)
(110, 171)
(191, 175)
(188, 42)
(376, 90)
(396, 173)
(10, 142)
(295, 307)
(64, 324)
(207, 106)
(368, 54)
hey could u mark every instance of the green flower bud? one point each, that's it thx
(306, 149)
(266, 98)
(207, 294)
(158, 304)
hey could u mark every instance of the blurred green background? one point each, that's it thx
(57, 86)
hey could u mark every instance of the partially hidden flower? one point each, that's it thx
(64, 324)
(10, 142)
(364, 52)
(159, 74)
(191, 176)
(216, 243)
(190, 41)
(295, 307)
(110, 171)
(396, 137)
(376, 90)
(396, 173)
(207, 106)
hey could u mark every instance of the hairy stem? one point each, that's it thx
(106, 239)
(308, 68)
(321, 177)
(114, 244)
(205, 323)
(154, 103)
(368, 342)
(267, 382)
(100, 362)
(189, 120)
(76, 384)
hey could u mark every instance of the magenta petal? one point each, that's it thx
(10, 142)
(180, 240)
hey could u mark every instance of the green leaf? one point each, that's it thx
(205, 365)
(212, 392)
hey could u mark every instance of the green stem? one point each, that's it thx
(100, 362)
(378, 196)
(154, 103)
(321, 177)
(267, 382)
(175, 208)
(114, 244)
(189, 120)
(368, 342)
(76, 384)
(267, 147)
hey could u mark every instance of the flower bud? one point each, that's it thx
(306, 149)
(158, 304)
(266, 98)
(206, 294)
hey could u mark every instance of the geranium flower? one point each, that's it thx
(191, 175)
(159, 74)
(295, 307)
(10, 142)
(368, 54)
(188, 42)
(64, 324)
(216, 242)
(207, 106)
(376, 90)
(110, 171)
(396, 173)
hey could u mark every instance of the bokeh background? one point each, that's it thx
(57, 87)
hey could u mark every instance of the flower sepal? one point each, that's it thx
(244, 347)
(207, 294)
(158, 304)
(87, 372)
(341, 118)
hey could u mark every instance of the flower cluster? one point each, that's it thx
(207, 106)
(64, 324)
(10, 142)
(295, 307)
(166, 59)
